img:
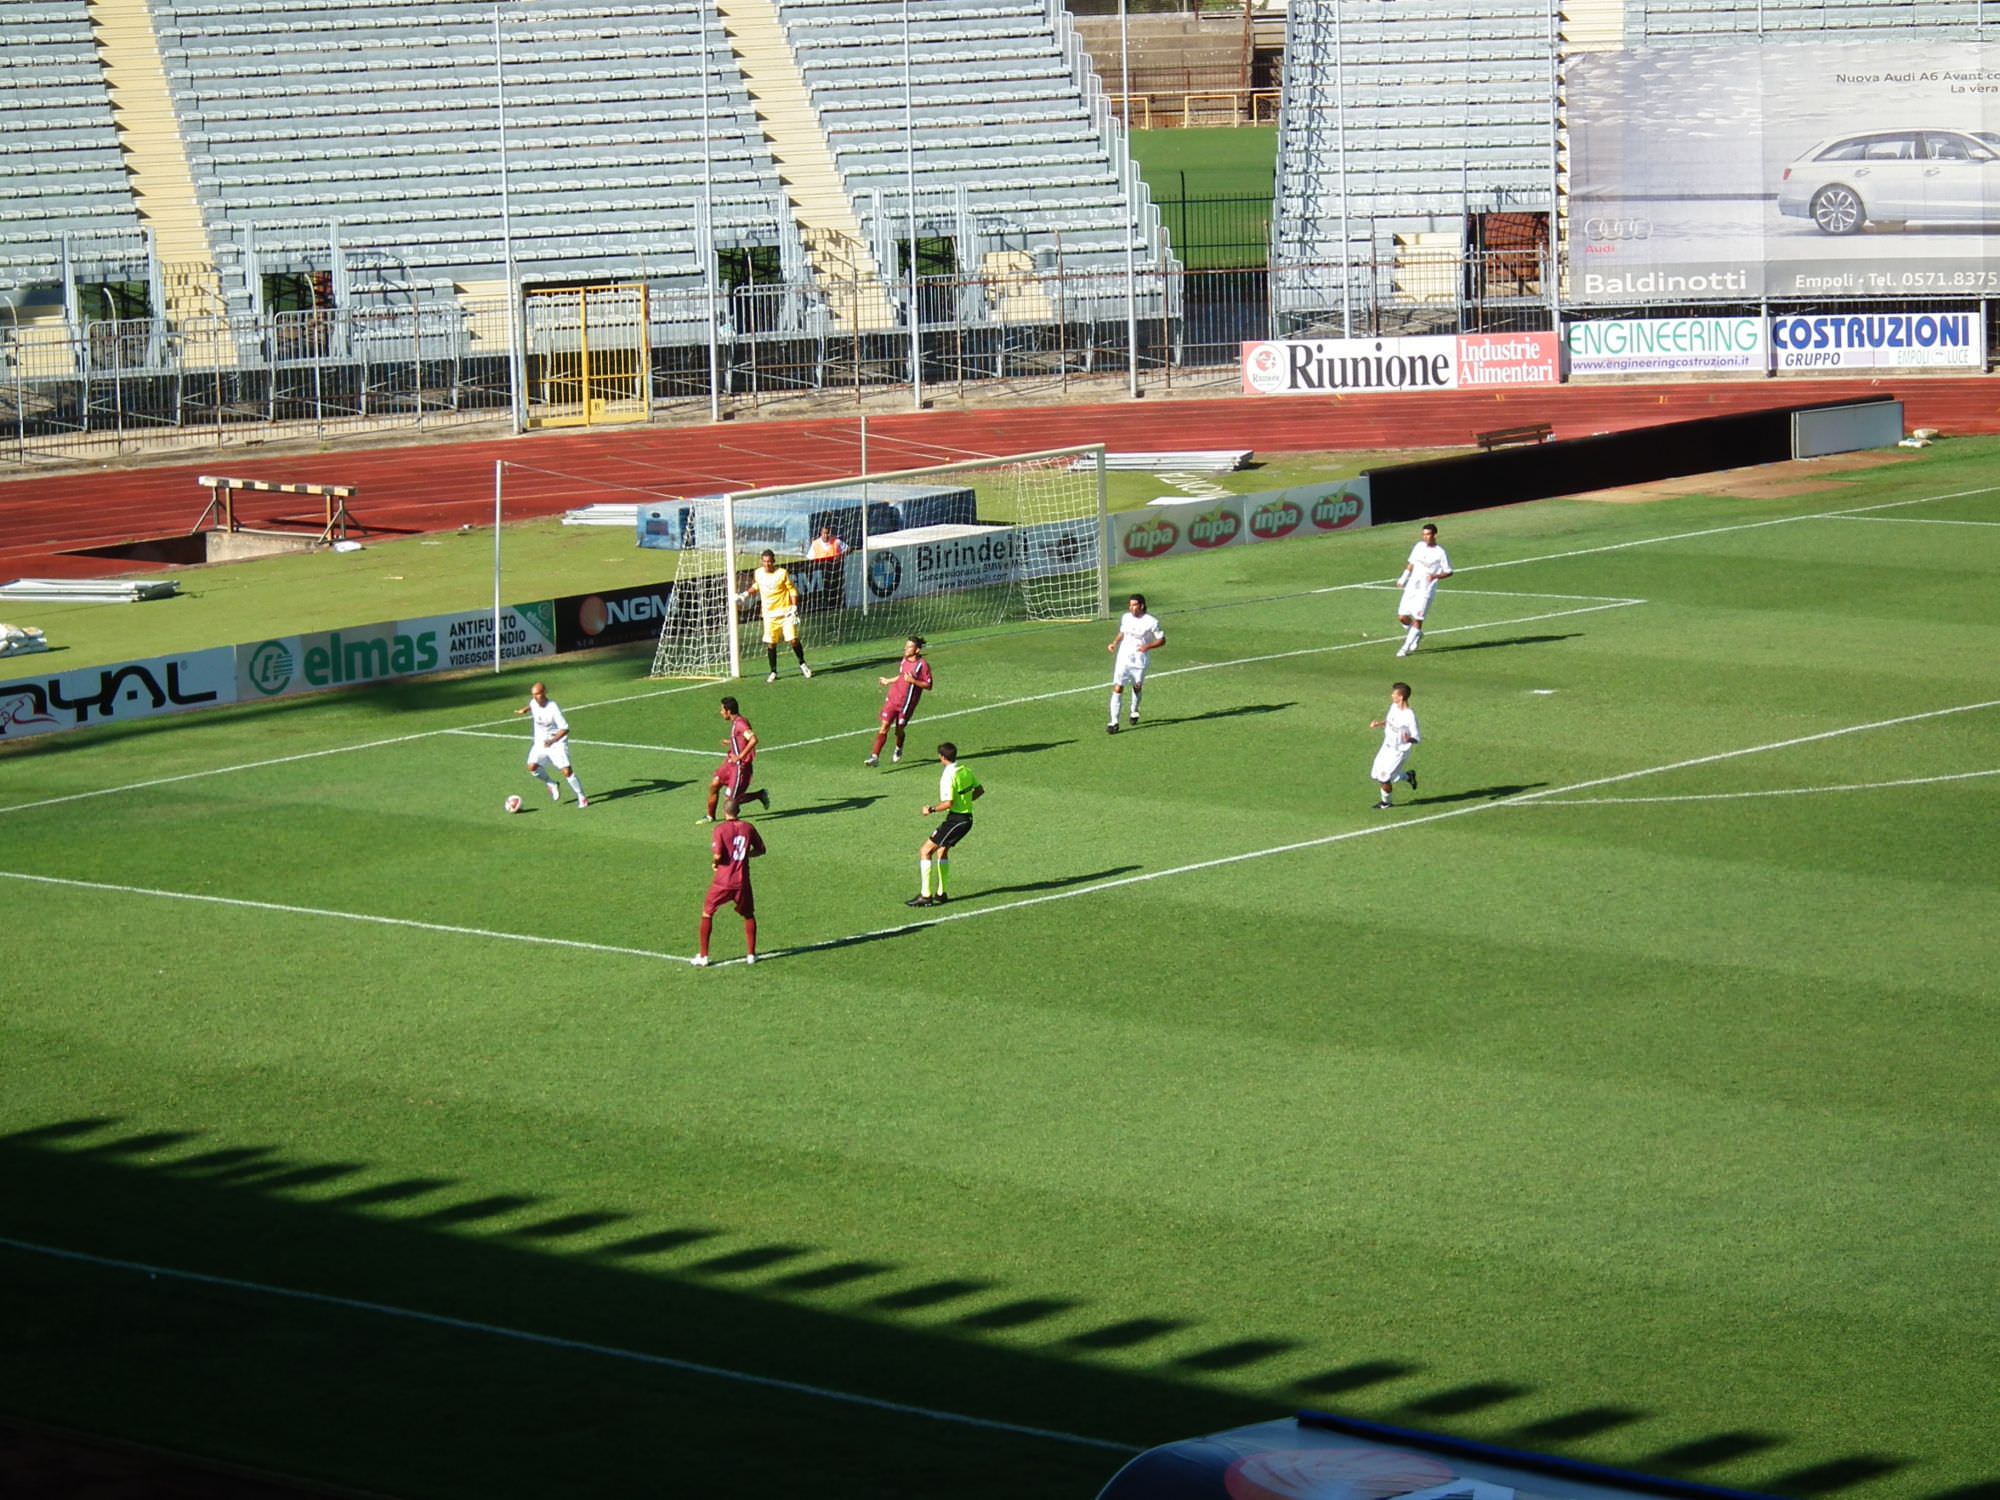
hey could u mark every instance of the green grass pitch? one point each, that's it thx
(1629, 1090)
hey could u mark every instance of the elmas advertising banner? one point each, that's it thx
(1809, 169)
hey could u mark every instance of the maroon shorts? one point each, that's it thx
(735, 893)
(733, 777)
(899, 713)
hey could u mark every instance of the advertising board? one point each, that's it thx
(1740, 171)
(1426, 362)
(1658, 346)
(287, 665)
(611, 617)
(1877, 341)
(1269, 516)
(89, 696)
(903, 570)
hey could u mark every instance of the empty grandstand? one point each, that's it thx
(328, 182)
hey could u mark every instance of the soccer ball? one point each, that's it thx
(513, 804)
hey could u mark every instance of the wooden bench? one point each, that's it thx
(1500, 437)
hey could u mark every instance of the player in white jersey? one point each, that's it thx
(1399, 737)
(551, 745)
(1421, 573)
(1139, 636)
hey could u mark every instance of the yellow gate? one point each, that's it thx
(589, 355)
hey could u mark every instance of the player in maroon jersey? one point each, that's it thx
(906, 688)
(735, 843)
(732, 778)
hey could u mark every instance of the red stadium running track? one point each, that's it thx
(44, 519)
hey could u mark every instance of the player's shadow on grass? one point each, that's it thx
(1024, 749)
(838, 805)
(1057, 883)
(1476, 794)
(645, 788)
(1237, 712)
(1512, 640)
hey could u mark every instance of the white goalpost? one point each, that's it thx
(954, 547)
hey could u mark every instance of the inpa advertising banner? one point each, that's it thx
(132, 690)
(1428, 362)
(1655, 346)
(1785, 169)
(1272, 516)
(399, 648)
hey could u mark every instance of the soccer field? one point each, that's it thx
(1628, 1090)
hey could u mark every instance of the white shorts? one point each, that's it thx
(1388, 763)
(1129, 674)
(556, 755)
(1417, 596)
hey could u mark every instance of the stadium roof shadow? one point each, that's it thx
(432, 1335)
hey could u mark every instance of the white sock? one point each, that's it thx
(1410, 638)
(1114, 708)
(574, 785)
(923, 877)
(542, 776)
(1135, 703)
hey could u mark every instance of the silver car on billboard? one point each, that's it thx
(1893, 177)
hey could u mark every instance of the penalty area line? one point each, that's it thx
(368, 918)
(1349, 835)
(569, 1345)
(1101, 685)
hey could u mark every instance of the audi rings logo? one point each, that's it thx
(1599, 229)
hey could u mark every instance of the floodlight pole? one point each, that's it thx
(709, 252)
(910, 192)
(498, 465)
(516, 372)
(1131, 214)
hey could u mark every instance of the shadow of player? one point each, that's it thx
(839, 804)
(645, 788)
(1221, 713)
(1512, 640)
(1026, 749)
(1476, 794)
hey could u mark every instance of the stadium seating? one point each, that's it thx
(72, 183)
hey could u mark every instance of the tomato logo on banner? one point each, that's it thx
(1264, 369)
(1336, 512)
(1279, 518)
(1151, 539)
(1216, 529)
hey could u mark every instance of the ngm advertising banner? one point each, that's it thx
(132, 690)
(1656, 346)
(1785, 169)
(1272, 516)
(1429, 362)
(398, 648)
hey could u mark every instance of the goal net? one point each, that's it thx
(962, 546)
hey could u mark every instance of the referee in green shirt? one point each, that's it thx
(958, 789)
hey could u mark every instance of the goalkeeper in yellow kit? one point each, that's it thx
(778, 597)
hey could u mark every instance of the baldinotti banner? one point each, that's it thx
(363, 654)
(1737, 172)
(1427, 362)
(90, 696)
(1271, 516)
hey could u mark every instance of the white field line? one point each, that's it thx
(1334, 589)
(368, 918)
(1371, 830)
(1785, 791)
(1103, 684)
(556, 1341)
(1913, 521)
(1683, 536)
(281, 760)
(487, 734)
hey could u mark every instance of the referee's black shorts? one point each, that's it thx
(955, 827)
